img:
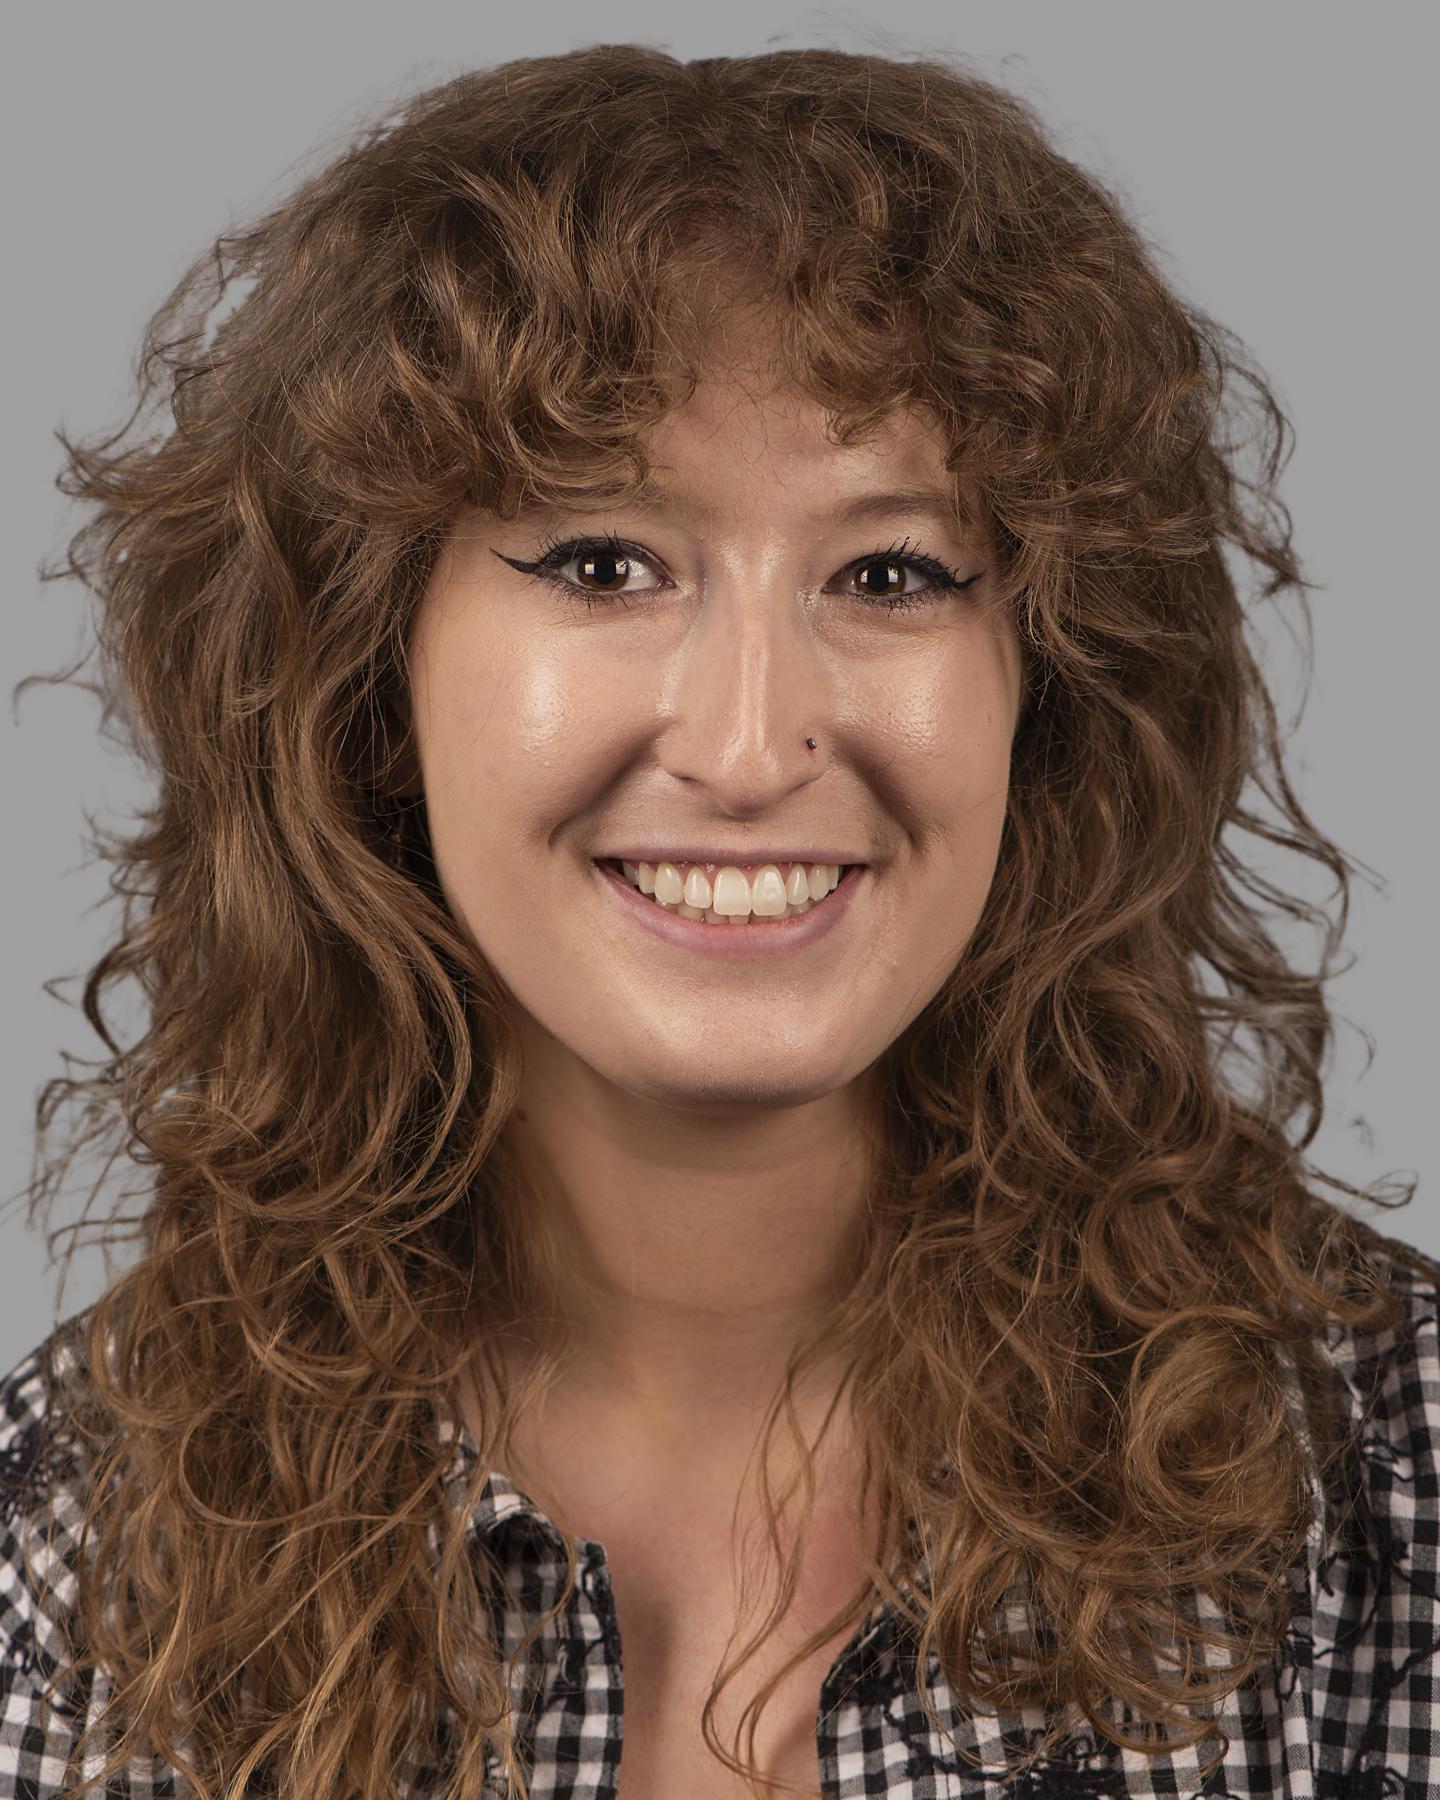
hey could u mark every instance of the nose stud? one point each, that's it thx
(810, 742)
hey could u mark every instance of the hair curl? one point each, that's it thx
(1087, 1243)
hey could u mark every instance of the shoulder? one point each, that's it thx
(42, 1502)
(1389, 1384)
(29, 1414)
(1390, 1373)
(1369, 1624)
(40, 1450)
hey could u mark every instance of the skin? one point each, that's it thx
(696, 1124)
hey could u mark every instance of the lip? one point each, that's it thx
(773, 937)
(737, 860)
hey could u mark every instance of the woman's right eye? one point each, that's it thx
(609, 562)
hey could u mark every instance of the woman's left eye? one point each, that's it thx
(610, 561)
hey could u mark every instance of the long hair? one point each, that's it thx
(1090, 1245)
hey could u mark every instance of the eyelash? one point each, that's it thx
(556, 552)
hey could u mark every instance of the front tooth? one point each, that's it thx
(732, 893)
(647, 878)
(819, 880)
(697, 889)
(767, 896)
(669, 889)
(797, 888)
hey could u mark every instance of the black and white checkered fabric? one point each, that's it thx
(1350, 1708)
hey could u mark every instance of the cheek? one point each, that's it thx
(957, 778)
(520, 738)
(947, 729)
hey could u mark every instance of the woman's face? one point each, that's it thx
(671, 715)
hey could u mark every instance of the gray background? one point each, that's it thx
(1278, 155)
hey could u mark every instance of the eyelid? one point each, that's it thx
(549, 561)
(573, 546)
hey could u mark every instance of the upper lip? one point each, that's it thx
(738, 859)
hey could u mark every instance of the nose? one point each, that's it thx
(747, 692)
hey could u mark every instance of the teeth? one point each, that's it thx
(732, 899)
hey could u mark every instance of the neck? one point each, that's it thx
(687, 1253)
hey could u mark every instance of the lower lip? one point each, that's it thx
(770, 937)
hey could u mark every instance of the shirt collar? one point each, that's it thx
(500, 1503)
(499, 1500)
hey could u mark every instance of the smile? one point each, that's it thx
(706, 913)
(731, 895)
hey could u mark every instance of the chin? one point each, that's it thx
(708, 1090)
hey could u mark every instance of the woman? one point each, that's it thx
(683, 632)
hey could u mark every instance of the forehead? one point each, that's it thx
(747, 433)
(721, 458)
(745, 390)
(736, 424)
(730, 452)
(740, 436)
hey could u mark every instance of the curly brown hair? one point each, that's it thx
(1089, 1248)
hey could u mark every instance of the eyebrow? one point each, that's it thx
(660, 500)
(879, 506)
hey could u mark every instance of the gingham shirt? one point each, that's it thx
(1350, 1707)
